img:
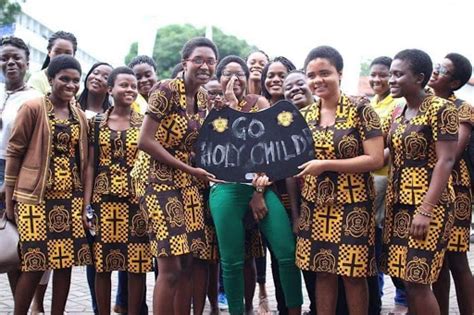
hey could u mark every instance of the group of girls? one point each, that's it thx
(108, 180)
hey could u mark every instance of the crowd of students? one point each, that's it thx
(105, 177)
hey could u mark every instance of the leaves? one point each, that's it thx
(8, 11)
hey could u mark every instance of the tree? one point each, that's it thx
(8, 11)
(131, 53)
(171, 38)
(365, 67)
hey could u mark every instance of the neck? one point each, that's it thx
(145, 96)
(58, 103)
(122, 109)
(331, 102)
(443, 93)
(11, 86)
(191, 87)
(414, 101)
(255, 87)
(94, 102)
(383, 95)
(275, 99)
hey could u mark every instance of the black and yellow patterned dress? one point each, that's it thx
(121, 241)
(460, 232)
(171, 197)
(337, 224)
(51, 233)
(413, 156)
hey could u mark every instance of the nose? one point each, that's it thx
(10, 61)
(391, 80)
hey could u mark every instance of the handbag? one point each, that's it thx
(9, 237)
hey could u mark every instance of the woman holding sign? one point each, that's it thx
(336, 228)
(230, 202)
(166, 179)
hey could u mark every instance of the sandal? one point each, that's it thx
(263, 308)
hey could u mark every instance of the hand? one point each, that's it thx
(258, 206)
(85, 222)
(204, 175)
(10, 210)
(313, 167)
(229, 94)
(218, 103)
(261, 180)
(419, 226)
(2, 193)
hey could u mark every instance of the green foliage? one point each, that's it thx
(8, 11)
(171, 38)
(133, 52)
(365, 67)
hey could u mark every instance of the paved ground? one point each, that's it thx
(79, 299)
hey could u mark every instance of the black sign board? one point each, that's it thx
(233, 145)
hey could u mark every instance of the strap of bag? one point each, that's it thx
(97, 121)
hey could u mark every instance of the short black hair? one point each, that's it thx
(285, 62)
(83, 97)
(176, 70)
(114, 74)
(62, 62)
(16, 42)
(258, 51)
(326, 52)
(228, 59)
(382, 60)
(142, 59)
(52, 39)
(196, 42)
(418, 61)
(462, 68)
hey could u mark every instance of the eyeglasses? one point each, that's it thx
(200, 61)
(228, 74)
(213, 95)
(441, 69)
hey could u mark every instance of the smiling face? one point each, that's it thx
(13, 64)
(65, 84)
(403, 82)
(256, 61)
(97, 81)
(378, 79)
(442, 77)
(274, 80)
(200, 66)
(324, 79)
(296, 89)
(214, 91)
(240, 84)
(124, 92)
(146, 78)
(61, 47)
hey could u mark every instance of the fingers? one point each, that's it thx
(303, 166)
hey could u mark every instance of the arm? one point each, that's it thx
(88, 183)
(463, 139)
(262, 103)
(294, 195)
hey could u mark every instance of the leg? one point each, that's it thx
(13, 279)
(261, 264)
(90, 272)
(283, 247)
(184, 292)
(121, 297)
(38, 299)
(25, 289)
(357, 295)
(213, 287)
(401, 303)
(326, 297)
(166, 285)
(200, 285)
(61, 285)
(280, 296)
(375, 301)
(463, 281)
(102, 291)
(136, 287)
(310, 283)
(441, 288)
(250, 279)
(421, 300)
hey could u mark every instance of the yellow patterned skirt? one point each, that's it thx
(51, 233)
(121, 241)
(337, 239)
(416, 261)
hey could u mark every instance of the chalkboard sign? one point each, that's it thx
(233, 145)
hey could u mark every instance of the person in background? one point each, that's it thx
(383, 104)
(448, 76)
(46, 157)
(256, 61)
(59, 43)
(422, 139)
(144, 68)
(14, 61)
(95, 96)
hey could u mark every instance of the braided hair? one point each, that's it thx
(15, 42)
(52, 39)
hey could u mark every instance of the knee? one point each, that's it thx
(230, 266)
(458, 263)
(353, 282)
(416, 289)
(170, 277)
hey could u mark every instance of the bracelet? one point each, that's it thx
(429, 203)
(422, 211)
(260, 189)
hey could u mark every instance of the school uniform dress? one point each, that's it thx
(413, 155)
(121, 241)
(337, 222)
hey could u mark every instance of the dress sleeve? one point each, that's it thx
(444, 120)
(160, 103)
(369, 121)
(466, 113)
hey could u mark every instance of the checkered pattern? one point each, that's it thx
(113, 220)
(60, 253)
(193, 209)
(76, 209)
(179, 245)
(351, 188)
(31, 222)
(414, 185)
(397, 256)
(459, 239)
(327, 222)
(323, 142)
(139, 258)
(303, 253)
(353, 260)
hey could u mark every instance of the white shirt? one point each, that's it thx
(10, 110)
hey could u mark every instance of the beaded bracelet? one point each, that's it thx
(423, 212)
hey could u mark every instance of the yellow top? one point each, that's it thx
(383, 108)
(39, 81)
(140, 105)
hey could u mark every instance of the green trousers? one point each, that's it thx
(229, 204)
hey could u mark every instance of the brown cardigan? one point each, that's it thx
(29, 150)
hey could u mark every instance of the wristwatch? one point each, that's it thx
(260, 189)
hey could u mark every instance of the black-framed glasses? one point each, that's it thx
(198, 61)
(228, 74)
(441, 69)
(213, 95)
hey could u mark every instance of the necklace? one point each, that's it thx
(8, 93)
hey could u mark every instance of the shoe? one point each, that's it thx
(222, 301)
(119, 309)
